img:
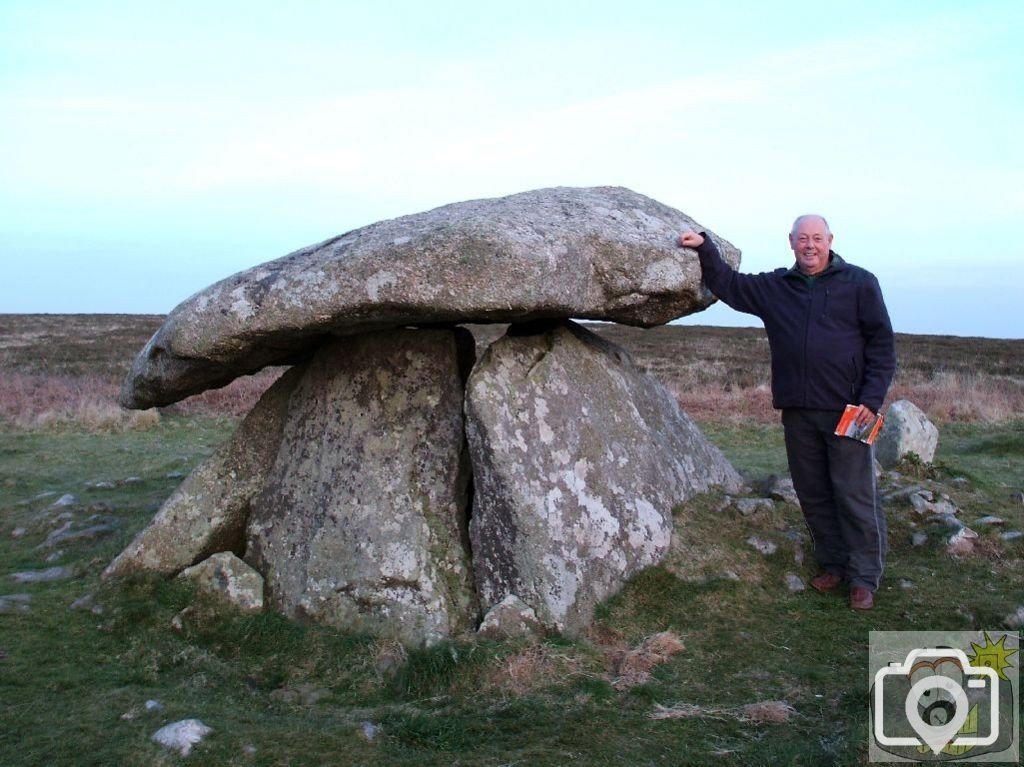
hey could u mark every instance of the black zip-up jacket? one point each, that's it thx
(831, 340)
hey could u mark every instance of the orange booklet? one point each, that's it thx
(847, 426)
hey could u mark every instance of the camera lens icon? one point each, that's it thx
(937, 705)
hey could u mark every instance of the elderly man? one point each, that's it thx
(831, 345)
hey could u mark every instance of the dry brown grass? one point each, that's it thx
(58, 369)
(633, 667)
(764, 712)
(533, 669)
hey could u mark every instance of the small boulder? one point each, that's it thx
(779, 487)
(906, 430)
(761, 545)
(510, 618)
(182, 736)
(961, 542)
(750, 506)
(228, 577)
(795, 583)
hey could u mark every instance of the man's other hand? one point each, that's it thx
(690, 239)
(864, 416)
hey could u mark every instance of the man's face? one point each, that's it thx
(811, 242)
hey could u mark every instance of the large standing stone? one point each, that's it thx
(578, 461)
(362, 521)
(906, 430)
(208, 511)
(603, 253)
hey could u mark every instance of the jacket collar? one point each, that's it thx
(835, 264)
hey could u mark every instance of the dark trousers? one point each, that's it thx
(834, 478)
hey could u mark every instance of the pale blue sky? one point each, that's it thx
(148, 149)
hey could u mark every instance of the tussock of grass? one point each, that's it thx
(765, 712)
(633, 667)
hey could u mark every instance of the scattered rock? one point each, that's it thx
(226, 576)
(1011, 535)
(750, 506)
(182, 736)
(86, 602)
(65, 500)
(780, 488)
(761, 545)
(43, 576)
(15, 603)
(795, 583)
(906, 584)
(511, 617)
(1018, 497)
(66, 534)
(989, 521)
(919, 539)
(178, 621)
(1015, 620)
(903, 494)
(100, 484)
(923, 504)
(948, 520)
(961, 542)
(906, 430)
(369, 730)
(18, 532)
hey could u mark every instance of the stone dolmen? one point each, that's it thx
(392, 482)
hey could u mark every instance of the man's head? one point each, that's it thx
(811, 242)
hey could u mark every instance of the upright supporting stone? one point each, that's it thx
(578, 460)
(362, 520)
(208, 512)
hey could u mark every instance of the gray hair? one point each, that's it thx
(804, 217)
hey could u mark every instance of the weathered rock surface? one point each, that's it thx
(362, 520)
(226, 576)
(906, 430)
(510, 618)
(603, 253)
(207, 513)
(578, 461)
(48, 575)
(181, 736)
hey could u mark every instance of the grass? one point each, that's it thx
(74, 682)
